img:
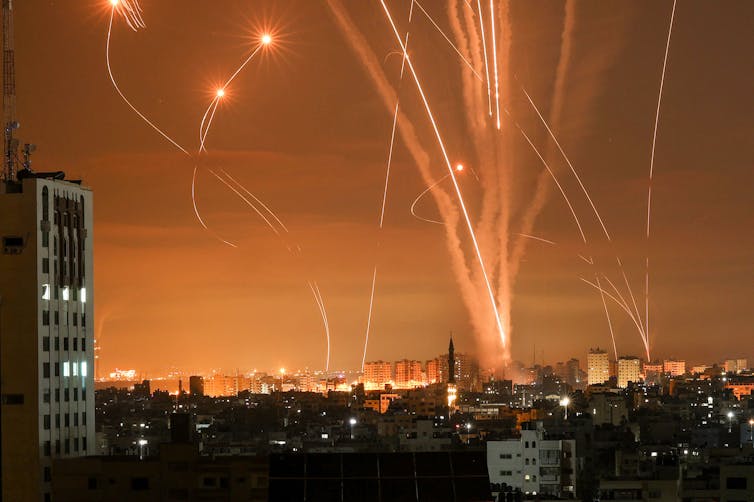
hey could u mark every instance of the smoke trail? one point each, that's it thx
(478, 315)
(542, 189)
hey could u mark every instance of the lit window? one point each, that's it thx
(75, 368)
(45, 291)
(66, 293)
(83, 369)
(66, 369)
(83, 295)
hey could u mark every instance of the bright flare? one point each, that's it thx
(459, 168)
(266, 39)
(220, 93)
(114, 2)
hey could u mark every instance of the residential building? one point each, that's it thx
(598, 367)
(408, 374)
(46, 306)
(377, 374)
(629, 370)
(674, 367)
(533, 464)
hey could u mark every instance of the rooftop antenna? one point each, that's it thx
(10, 144)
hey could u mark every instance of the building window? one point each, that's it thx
(84, 369)
(83, 418)
(526, 461)
(57, 400)
(75, 366)
(526, 444)
(75, 419)
(83, 340)
(57, 316)
(47, 422)
(47, 449)
(46, 370)
(83, 319)
(506, 455)
(75, 393)
(46, 266)
(67, 420)
(46, 344)
(57, 447)
(45, 291)
(83, 443)
(533, 444)
(57, 369)
(57, 422)
(67, 446)
(45, 318)
(534, 461)
(506, 473)
(75, 319)
(46, 474)
(45, 239)
(65, 347)
(66, 364)
(75, 444)
(75, 344)
(66, 395)
(46, 396)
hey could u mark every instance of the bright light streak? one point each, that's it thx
(256, 199)
(321, 305)
(247, 201)
(369, 318)
(199, 217)
(419, 197)
(470, 228)
(486, 63)
(652, 164)
(494, 59)
(466, 61)
(607, 315)
(123, 97)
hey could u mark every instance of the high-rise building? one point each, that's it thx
(433, 371)
(408, 374)
(674, 367)
(736, 365)
(46, 335)
(598, 367)
(629, 370)
(196, 385)
(377, 374)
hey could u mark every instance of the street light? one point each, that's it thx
(352, 421)
(730, 421)
(142, 443)
(564, 403)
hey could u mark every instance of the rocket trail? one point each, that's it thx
(457, 188)
(266, 208)
(247, 201)
(395, 121)
(494, 59)
(568, 161)
(557, 183)
(198, 216)
(418, 198)
(450, 42)
(123, 97)
(486, 63)
(369, 319)
(207, 122)
(621, 305)
(652, 164)
(321, 305)
(607, 315)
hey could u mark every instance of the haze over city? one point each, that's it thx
(305, 129)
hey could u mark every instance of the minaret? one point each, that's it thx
(451, 361)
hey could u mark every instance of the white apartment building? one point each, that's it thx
(532, 464)
(46, 335)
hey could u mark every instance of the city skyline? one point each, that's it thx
(313, 144)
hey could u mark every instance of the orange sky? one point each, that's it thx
(303, 128)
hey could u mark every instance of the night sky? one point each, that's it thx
(303, 127)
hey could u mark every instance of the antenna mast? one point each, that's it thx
(10, 145)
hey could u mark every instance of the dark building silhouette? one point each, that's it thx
(451, 362)
(196, 385)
